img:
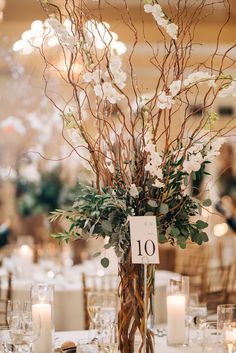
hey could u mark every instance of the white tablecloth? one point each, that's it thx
(86, 336)
(69, 307)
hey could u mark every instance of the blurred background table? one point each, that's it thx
(69, 290)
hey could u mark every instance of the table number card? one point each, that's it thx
(144, 239)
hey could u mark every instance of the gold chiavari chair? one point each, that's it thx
(193, 263)
(5, 295)
(97, 283)
(214, 287)
(231, 290)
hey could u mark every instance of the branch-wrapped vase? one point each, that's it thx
(131, 322)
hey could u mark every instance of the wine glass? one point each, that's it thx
(13, 311)
(94, 307)
(6, 345)
(197, 317)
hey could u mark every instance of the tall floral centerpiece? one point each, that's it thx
(140, 138)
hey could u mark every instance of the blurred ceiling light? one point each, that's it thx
(220, 229)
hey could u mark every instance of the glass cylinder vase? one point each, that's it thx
(42, 298)
(133, 333)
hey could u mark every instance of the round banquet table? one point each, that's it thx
(86, 336)
(69, 306)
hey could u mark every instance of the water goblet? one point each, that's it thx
(31, 329)
(211, 342)
(16, 332)
(108, 311)
(108, 341)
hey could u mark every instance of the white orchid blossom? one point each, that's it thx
(160, 18)
(229, 91)
(199, 77)
(165, 101)
(193, 164)
(63, 33)
(133, 191)
(213, 148)
(175, 87)
(172, 30)
(107, 91)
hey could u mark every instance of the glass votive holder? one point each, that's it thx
(197, 317)
(211, 342)
(229, 337)
(42, 298)
(177, 328)
(226, 314)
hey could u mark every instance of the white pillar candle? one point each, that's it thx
(26, 253)
(42, 315)
(176, 319)
(24, 260)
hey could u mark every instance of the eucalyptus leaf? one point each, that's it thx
(175, 231)
(186, 180)
(204, 237)
(182, 245)
(164, 208)
(152, 203)
(149, 214)
(107, 246)
(201, 224)
(105, 262)
(207, 202)
(106, 226)
(97, 254)
(161, 238)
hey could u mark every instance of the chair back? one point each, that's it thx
(214, 286)
(5, 295)
(231, 289)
